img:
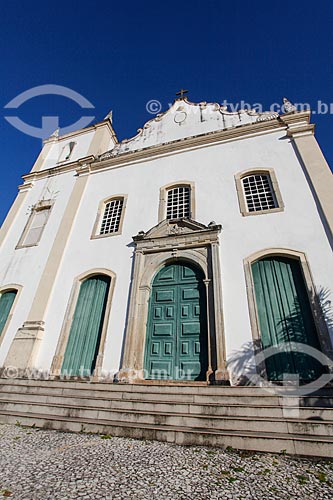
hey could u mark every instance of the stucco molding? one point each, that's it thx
(193, 142)
(158, 247)
(68, 319)
(76, 133)
(77, 167)
(26, 186)
(193, 110)
(170, 148)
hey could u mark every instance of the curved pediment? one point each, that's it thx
(187, 119)
(175, 227)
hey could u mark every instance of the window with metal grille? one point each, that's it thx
(178, 202)
(258, 192)
(112, 216)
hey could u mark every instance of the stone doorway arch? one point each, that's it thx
(172, 241)
(176, 336)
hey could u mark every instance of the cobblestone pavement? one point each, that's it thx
(42, 465)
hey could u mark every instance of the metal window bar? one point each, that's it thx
(111, 217)
(178, 203)
(258, 192)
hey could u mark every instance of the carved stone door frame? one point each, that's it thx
(171, 241)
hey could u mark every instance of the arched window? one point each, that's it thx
(177, 201)
(258, 192)
(109, 217)
(6, 303)
(87, 325)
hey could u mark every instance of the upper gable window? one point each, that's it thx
(178, 202)
(109, 217)
(36, 223)
(66, 152)
(258, 192)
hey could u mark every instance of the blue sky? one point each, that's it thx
(120, 55)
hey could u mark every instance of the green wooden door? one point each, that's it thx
(6, 302)
(85, 333)
(176, 343)
(285, 316)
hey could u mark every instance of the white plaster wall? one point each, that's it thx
(83, 141)
(80, 150)
(212, 169)
(24, 266)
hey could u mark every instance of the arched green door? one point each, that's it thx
(176, 342)
(6, 302)
(285, 316)
(85, 333)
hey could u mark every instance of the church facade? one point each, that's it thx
(183, 254)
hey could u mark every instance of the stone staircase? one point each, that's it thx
(248, 418)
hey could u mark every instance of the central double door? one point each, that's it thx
(176, 342)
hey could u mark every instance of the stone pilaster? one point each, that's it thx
(316, 167)
(221, 372)
(24, 349)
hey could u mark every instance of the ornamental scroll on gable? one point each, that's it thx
(186, 119)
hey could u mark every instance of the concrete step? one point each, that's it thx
(242, 417)
(205, 390)
(267, 442)
(226, 398)
(150, 387)
(232, 409)
(237, 423)
(91, 392)
(151, 418)
(190, 393)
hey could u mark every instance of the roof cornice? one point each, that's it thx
(189, 143)
(86, 130)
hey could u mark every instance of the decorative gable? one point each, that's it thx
(187, 119)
